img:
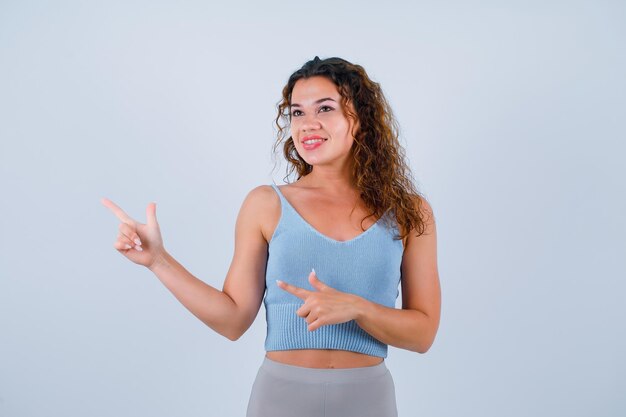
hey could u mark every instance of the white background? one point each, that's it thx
(512, 116)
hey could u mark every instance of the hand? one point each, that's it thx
(150, 247)
(326, 306)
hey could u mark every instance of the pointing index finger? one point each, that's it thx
(297, 291)
(119, 213)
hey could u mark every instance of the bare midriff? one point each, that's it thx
(323, 358)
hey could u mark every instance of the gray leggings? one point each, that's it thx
(282, 390)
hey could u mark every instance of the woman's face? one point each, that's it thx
(316, 113)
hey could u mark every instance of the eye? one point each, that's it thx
(323, 107)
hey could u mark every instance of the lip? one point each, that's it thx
(311, 137)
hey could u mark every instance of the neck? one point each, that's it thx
(332, 180)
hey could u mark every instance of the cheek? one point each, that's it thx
(297, 146)
(344, 131)
(338, 126)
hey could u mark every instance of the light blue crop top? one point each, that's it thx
(367, 265)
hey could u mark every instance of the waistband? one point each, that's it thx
(317, 375)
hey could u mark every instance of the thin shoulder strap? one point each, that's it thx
(283, 201)
(278, 192)
(288, 215)
(286, 208)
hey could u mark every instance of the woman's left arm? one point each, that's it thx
(415, 325)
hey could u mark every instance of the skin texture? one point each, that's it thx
(326, 119)
(329, 201)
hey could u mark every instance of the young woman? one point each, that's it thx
(325, 254)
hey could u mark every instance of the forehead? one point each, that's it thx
(307, 90)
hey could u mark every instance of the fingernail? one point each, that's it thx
(313, 271)
(137, 241)
(127, 246)
(139, 248)
(279, 281)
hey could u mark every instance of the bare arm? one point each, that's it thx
(229, 312)
(207, 303)
(415, 325)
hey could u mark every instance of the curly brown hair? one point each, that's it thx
(381, 174)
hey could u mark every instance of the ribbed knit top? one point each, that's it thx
(367, 265)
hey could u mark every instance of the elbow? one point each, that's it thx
(426, 338)
(228, 332)
(235, 332)
(234, 338)
(237, 329)
(423, 346)
(422, 350)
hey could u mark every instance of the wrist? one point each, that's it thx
(160, 261)
(360, 307)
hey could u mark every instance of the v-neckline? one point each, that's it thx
(317, 232)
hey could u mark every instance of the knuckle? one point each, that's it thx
(126, 228)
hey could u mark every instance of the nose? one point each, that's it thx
(309, 123)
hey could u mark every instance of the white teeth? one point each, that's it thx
(308, 142)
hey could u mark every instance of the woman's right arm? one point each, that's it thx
(210, 305)
(229, 312)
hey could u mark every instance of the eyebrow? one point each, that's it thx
(317, 101)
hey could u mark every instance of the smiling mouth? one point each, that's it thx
(313, 144)
(312, 141)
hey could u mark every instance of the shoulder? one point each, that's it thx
(261, 199)
(260, 193)
(263, 203)
(424, 207)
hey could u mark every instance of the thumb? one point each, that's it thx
(151, 214)
(315, 281)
